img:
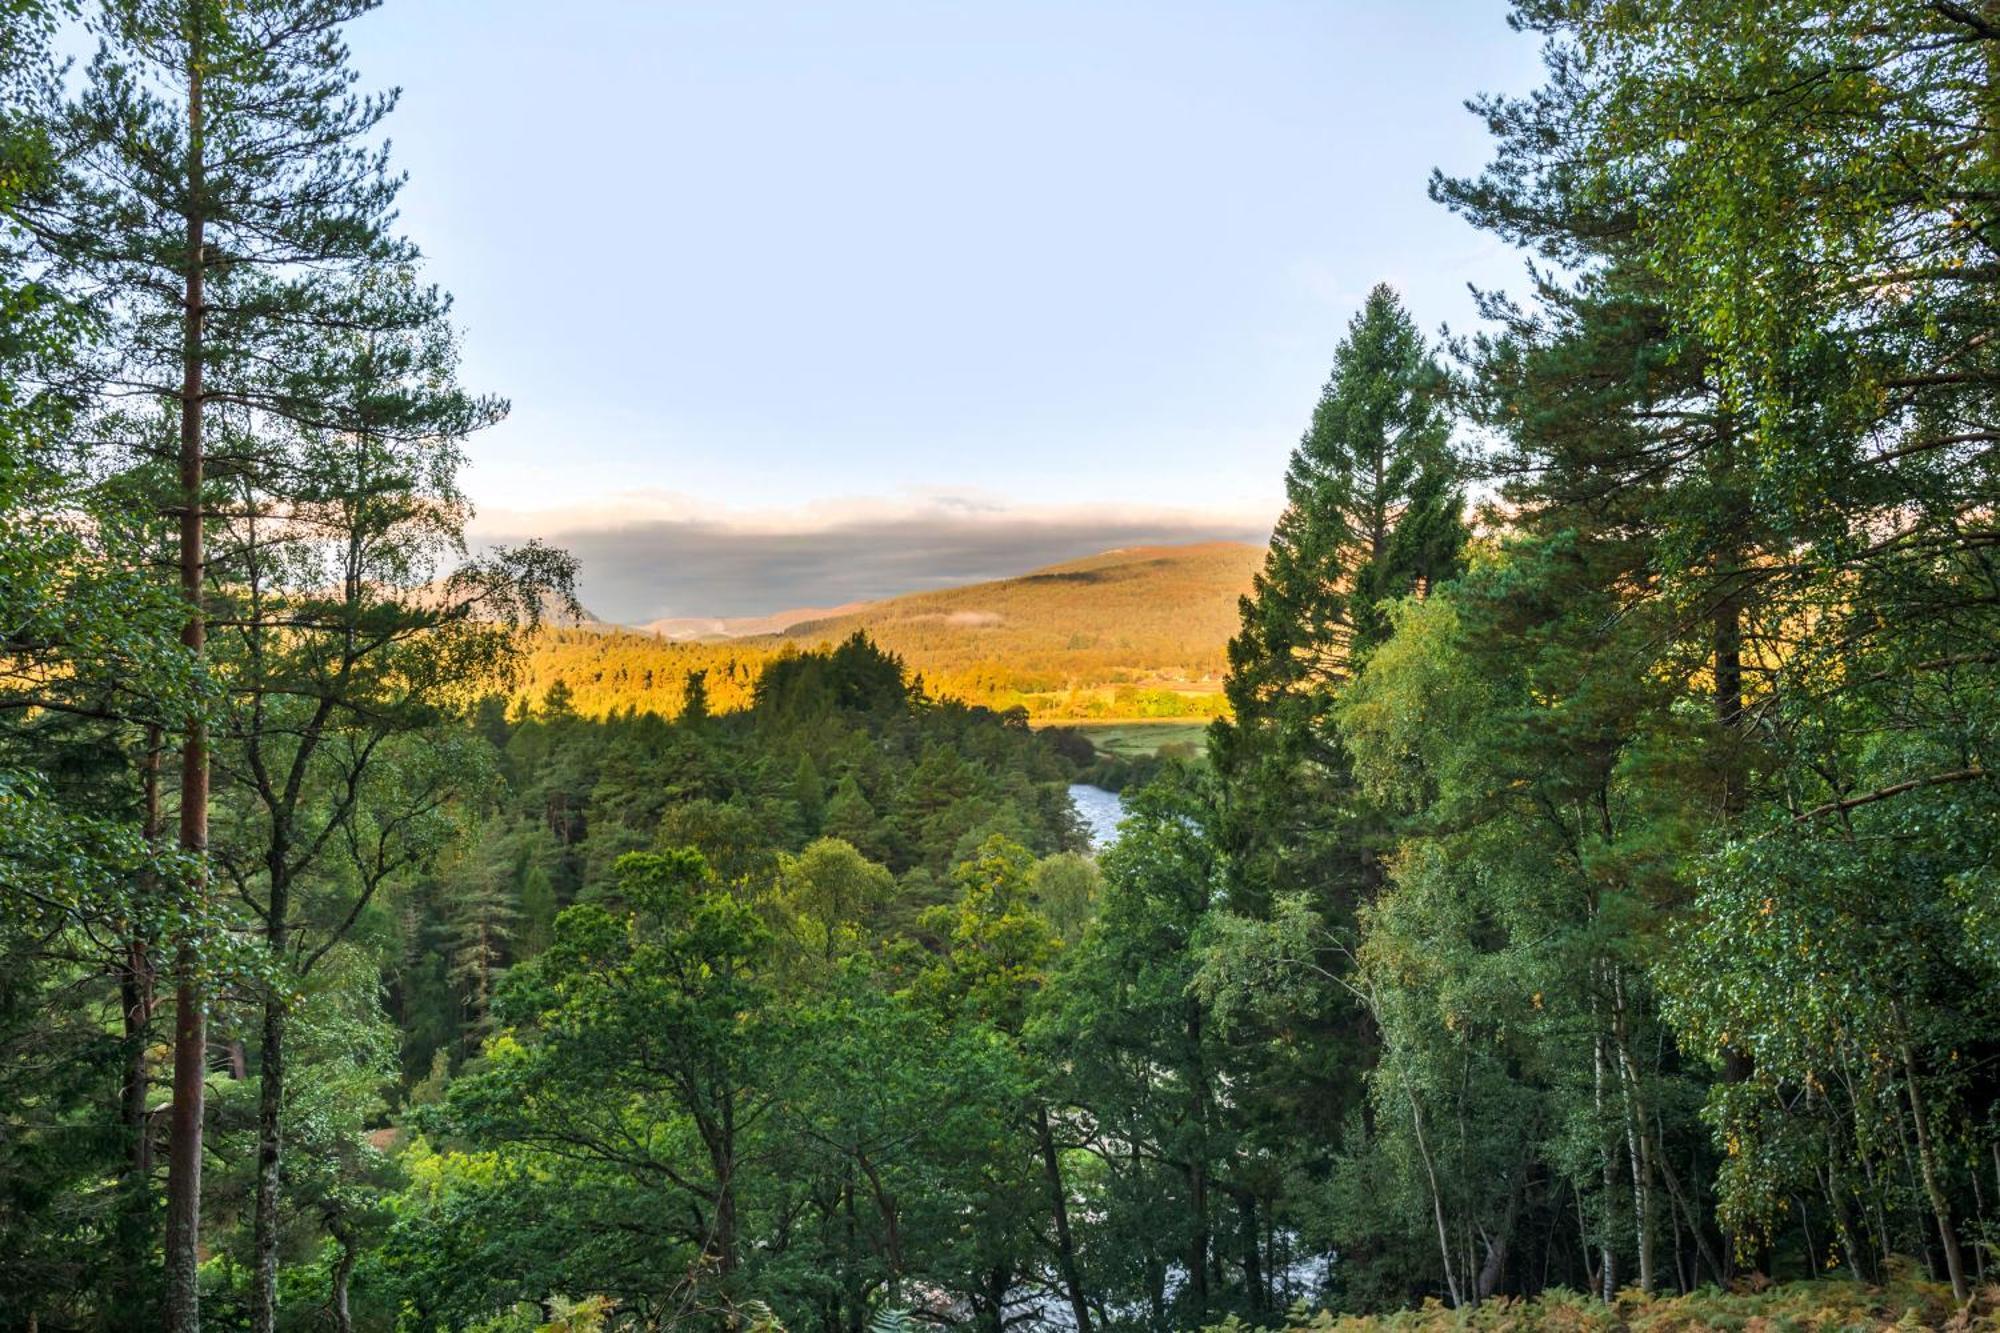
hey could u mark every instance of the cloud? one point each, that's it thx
(648, 556)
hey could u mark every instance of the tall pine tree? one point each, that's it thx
(1373, 513)
(280, 388)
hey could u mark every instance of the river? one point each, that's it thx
(1101, 810)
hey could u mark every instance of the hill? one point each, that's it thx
(1134, 633)
(741, 627)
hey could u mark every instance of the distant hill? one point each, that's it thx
(1134, 633)
(558, 616)
(691, 628)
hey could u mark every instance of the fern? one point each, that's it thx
(892, 1321)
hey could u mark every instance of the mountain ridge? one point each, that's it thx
(797, 620)
(1126, 633)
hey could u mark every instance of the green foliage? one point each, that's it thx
(1372, 513)
(734, 1072)
(1604, 905)
(1813, 1307)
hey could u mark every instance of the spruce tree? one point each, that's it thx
(1373, 513)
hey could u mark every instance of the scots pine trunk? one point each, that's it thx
(190, 1020)
(136, 999)
(1608, 1272)
(1253, 1257)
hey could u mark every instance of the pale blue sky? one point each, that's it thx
(783, 267)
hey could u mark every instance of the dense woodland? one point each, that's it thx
(1589, 898)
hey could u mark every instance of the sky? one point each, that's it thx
(798, 303)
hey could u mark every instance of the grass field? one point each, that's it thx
(1142, 737)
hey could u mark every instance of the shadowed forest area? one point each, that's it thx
(1580, 911)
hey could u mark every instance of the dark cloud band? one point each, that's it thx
(641, 571)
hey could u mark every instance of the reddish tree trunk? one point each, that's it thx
(190, 1020)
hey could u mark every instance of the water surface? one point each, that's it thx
(1101, 811)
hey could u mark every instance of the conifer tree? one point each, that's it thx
(92, 667)
(220, 191)
(810, 793)
(269, 360)
(1372, 514)
(694, 697)
(481, 924)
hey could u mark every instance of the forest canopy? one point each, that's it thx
(1581, 913)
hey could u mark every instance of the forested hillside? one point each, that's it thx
(1583, 916)
(1136, 633)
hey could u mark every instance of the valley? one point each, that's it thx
(1133, 636)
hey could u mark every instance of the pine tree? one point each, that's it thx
(226, 206)
(810, 794)
(94, 679)
(1373, 513)
(482, 920)
(851, 818)
(694, 698)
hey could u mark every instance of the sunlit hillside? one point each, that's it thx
(1132, 633)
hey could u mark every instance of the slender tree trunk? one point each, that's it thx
(270, 1147)
(1253, 1256)
(1843, 1215)
(1608, 1271)
(1638, 1141)
(993, 1319)
(343, 1270)
(722, 1162)
(135, 994)
(1197, 1246)
(271, 1084)
(891, 1225)
(136, 1001)
(1059, 1209)
(1703, 1250)
(1980, 1226)
(1812, 1241)
(1874, 1213)
(1494, 1267)
(1729, 700)
(1583, 1243)
(1645, 1218)
(1683, 1282)
(1197, 1166)
(1156, 1271)
(1437, 1198)
(1727, 647)
(135, 997)
(183, 1258)
(855, 1292)
(1933, 1187)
